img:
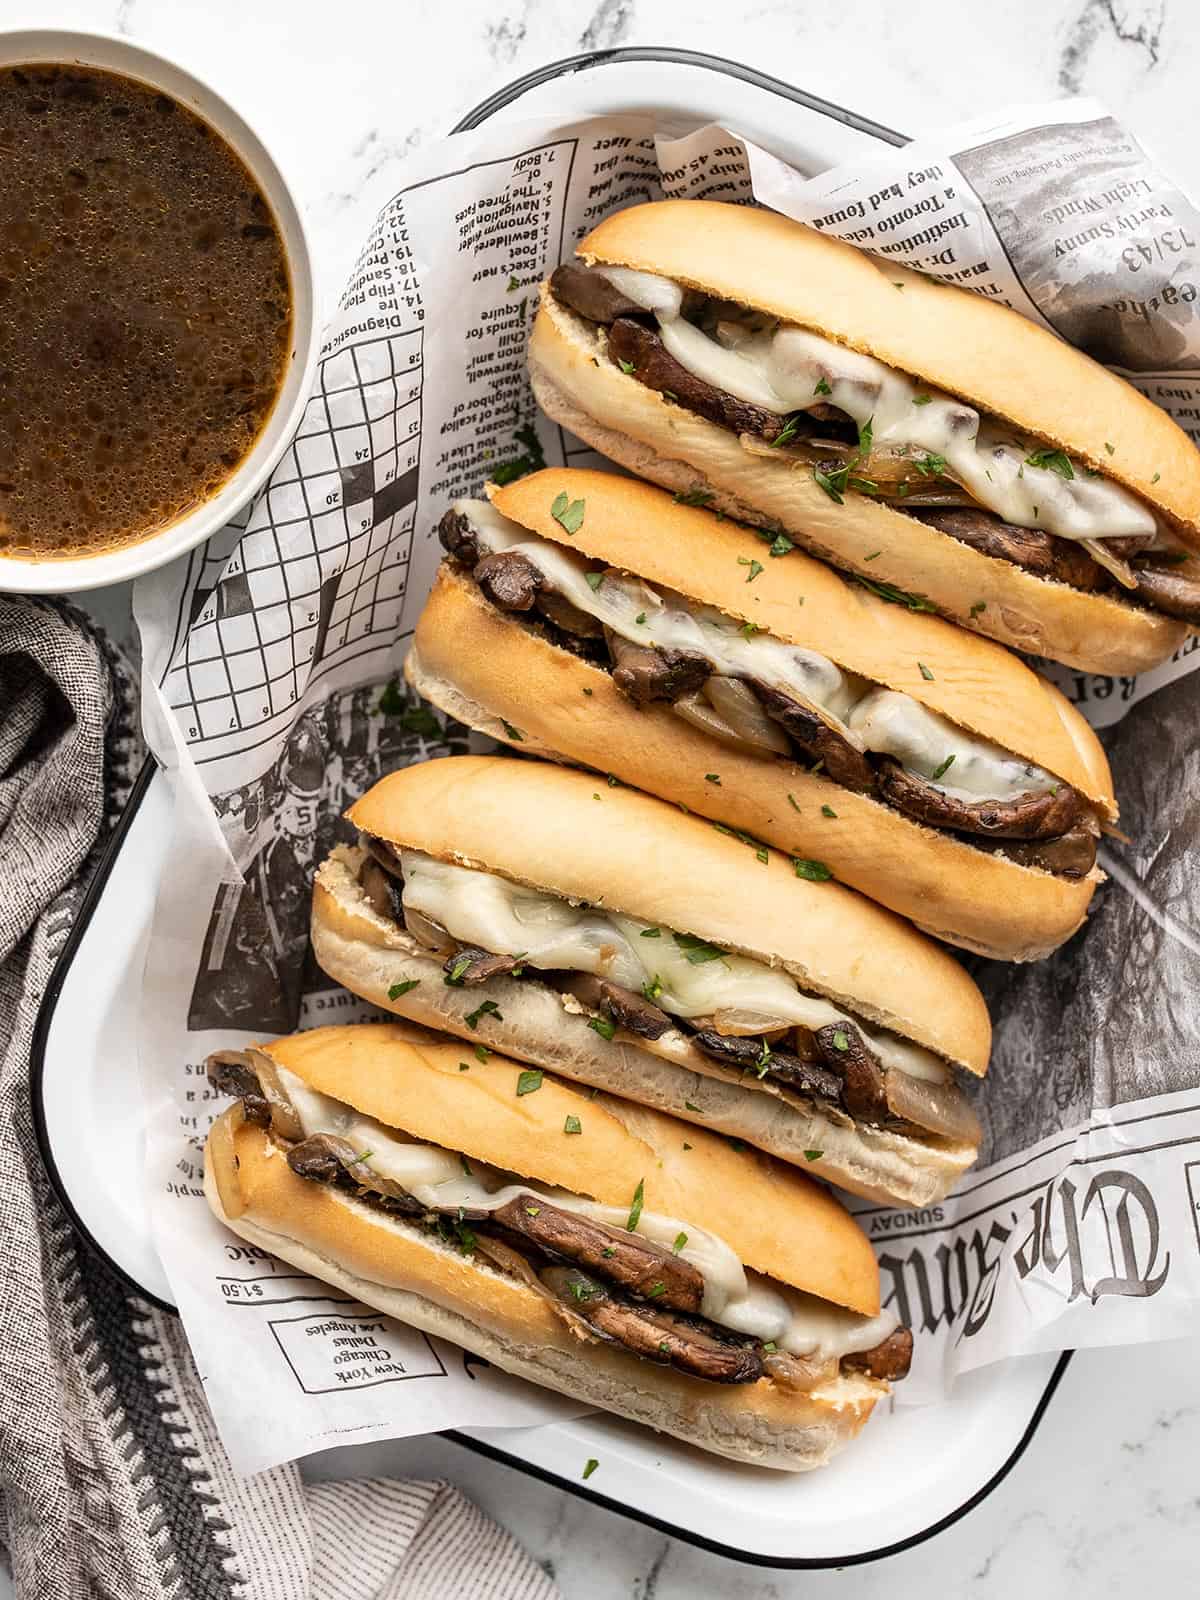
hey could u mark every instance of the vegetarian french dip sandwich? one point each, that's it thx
(591, 1246)
(926, 767)
(939, 445)
(590, 929)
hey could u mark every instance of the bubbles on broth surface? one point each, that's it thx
(145, 311)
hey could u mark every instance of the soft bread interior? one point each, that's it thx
(486, 669)
(580, 388)
(375, 959)
(403, 1272)
(540, 824)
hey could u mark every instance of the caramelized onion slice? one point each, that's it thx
(738, 707)
(798, 1373)
(223, 1156)
(737, 1023)
(284, 1120)
(695, 709)
(939, 1108)
(429, 933)
(1121, 570)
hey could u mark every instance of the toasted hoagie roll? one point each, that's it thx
(592, 1246)
(922, 766)
(598, 932)
(910, 431)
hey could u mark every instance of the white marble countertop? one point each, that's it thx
(1105, 1498)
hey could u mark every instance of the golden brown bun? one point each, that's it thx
(482, 667)
(397, 1268)
(778, 1221)
(542, 825)
(971, 681)
(986, 354)
(580, 388)
(373, 957)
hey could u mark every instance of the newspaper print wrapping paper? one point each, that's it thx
(270, 694)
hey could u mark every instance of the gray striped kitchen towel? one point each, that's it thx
(113, 1483)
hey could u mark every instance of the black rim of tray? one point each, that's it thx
(479, 114)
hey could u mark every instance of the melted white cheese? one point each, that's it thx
(894, 724)
(492, 913)
(800, 1323)
(786, 368)
(886, 722)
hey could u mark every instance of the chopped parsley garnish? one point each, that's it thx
(866, 432)
(397, 989)
(822, 387)
(1051, 461)
(1110, 448)
(764, 1059)
(664, 1349)
(925, 672)
(712, 777)
(922, 399)
(828, 811)
(652, 990)
(780, 545)
(580, 1290)
(1156, 477)
(736, 1144)
(813, 1155)
(651, 933)
(567, 513)
(364, 1156)
(841, 1040)
(689, 1106)
(749, 629)
(931, 465)
(595, 579)
(770, 1347)
(454, 977)
(603, 1027)
(533, 460)
(895, 596)
(680, 1241)
(482, 1052)
(693, 497)
(464, 1066)
(513, 733)
(466, 1166)
(413, 719)
(814, 871)
(833, 483)
(896, 285)
(759, 848)
(941, 769)
(529, 1082)
(697, 951)
(588, 692)
(627, 366)
(472, 1017)
(980, 605)
(875, 554)
(789, 430)
(612, 782)
(653, 1294)
(635, 1210)
(512, 283)
(755, 567)
(591, 1467)
(572, 1125)
(686, 1145)
(792, 801)
(608, 1252)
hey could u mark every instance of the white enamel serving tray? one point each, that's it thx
(917, 1469)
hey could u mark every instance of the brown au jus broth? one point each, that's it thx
(145, 311)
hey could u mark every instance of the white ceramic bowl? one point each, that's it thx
(117, 566)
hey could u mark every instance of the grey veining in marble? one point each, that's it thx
(1106, 1501)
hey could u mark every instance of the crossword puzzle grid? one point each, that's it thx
(320, 573)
